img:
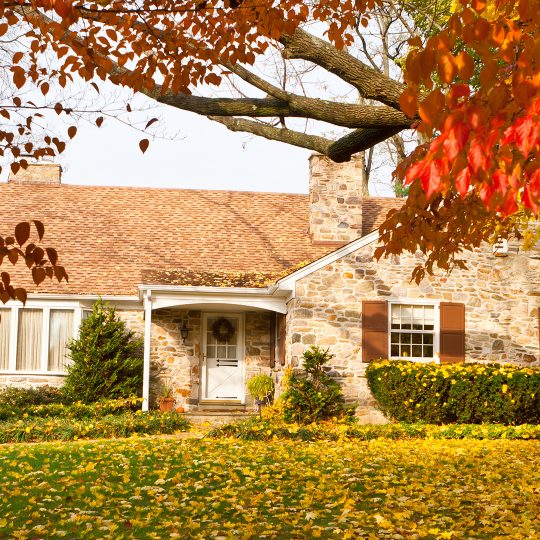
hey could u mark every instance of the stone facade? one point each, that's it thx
(335, 200)
(501, 297)
(30, 381)
(38, 173)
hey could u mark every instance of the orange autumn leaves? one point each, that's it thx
(476, 88)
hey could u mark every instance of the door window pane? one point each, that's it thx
(60, 332)
(29, 339)
(5, 325)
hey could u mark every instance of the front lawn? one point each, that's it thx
(169, 488)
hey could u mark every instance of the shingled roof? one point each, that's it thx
(110, 239)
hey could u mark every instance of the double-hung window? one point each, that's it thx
(34, 339)
(412, 331)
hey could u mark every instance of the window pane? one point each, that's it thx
(428, 351)
(405, 350)
(405, 338)
(222, 351)
(417, 351)
(5, 324)
(60, 332)
(231, 351)
(428, 339)
(417, 339)
(396, 317)
(211, 351)
(29, 339)
(394, 350)
(395, 337)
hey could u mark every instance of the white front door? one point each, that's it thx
(223, 360)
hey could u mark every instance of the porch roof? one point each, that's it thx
(269, 298)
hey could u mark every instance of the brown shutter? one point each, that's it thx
(374, 330)
(272, 340)
(452, 334)
(281, 335)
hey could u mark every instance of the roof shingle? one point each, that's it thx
(108, 237)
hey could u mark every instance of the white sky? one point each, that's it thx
(204, 155)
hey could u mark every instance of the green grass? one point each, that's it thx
(170, 488)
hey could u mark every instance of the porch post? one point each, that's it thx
(147, 338)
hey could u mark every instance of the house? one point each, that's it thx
(225, 285)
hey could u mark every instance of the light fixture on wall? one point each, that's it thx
(500, 247)
(184, 331)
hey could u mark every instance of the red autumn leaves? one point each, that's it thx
(484, 129)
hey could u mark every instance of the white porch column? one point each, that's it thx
(147, 338)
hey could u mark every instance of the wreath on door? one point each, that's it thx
(222, 329)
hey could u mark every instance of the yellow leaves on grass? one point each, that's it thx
(286, 489)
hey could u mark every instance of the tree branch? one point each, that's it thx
(370, 83)
(295, 138)
(356, 141)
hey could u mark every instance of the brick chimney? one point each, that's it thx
(335, 200)
(38, 173)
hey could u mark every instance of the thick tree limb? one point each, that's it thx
(356, 141)
(370, 83)
(289, 136)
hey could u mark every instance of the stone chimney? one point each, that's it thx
(38, 173)
(335, 200)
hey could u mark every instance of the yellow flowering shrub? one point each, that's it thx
(464, 393)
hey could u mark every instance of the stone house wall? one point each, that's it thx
(501, 297)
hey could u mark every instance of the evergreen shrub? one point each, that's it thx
(312, 395)
(456, 393)
(106, 359)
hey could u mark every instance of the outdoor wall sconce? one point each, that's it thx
(184, 331)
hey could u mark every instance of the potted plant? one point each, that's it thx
(166, 400)
(261, 388)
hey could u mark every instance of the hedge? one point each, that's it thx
(266, 430)
(456, 393)
(75, 410)
(112, 426)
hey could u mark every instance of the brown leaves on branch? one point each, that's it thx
(42, 262)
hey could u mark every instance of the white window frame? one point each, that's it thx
(436, 326)
(45, 329)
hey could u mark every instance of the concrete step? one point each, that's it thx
(217, 417)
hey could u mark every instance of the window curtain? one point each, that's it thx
(60, 332)
(29, 340)
(5, 320)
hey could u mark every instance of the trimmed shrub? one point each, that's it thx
(76, 410)
(23, 397)
(314, 395)
(69, 429)
(456, 393)
(106, 359)
(256, 429)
